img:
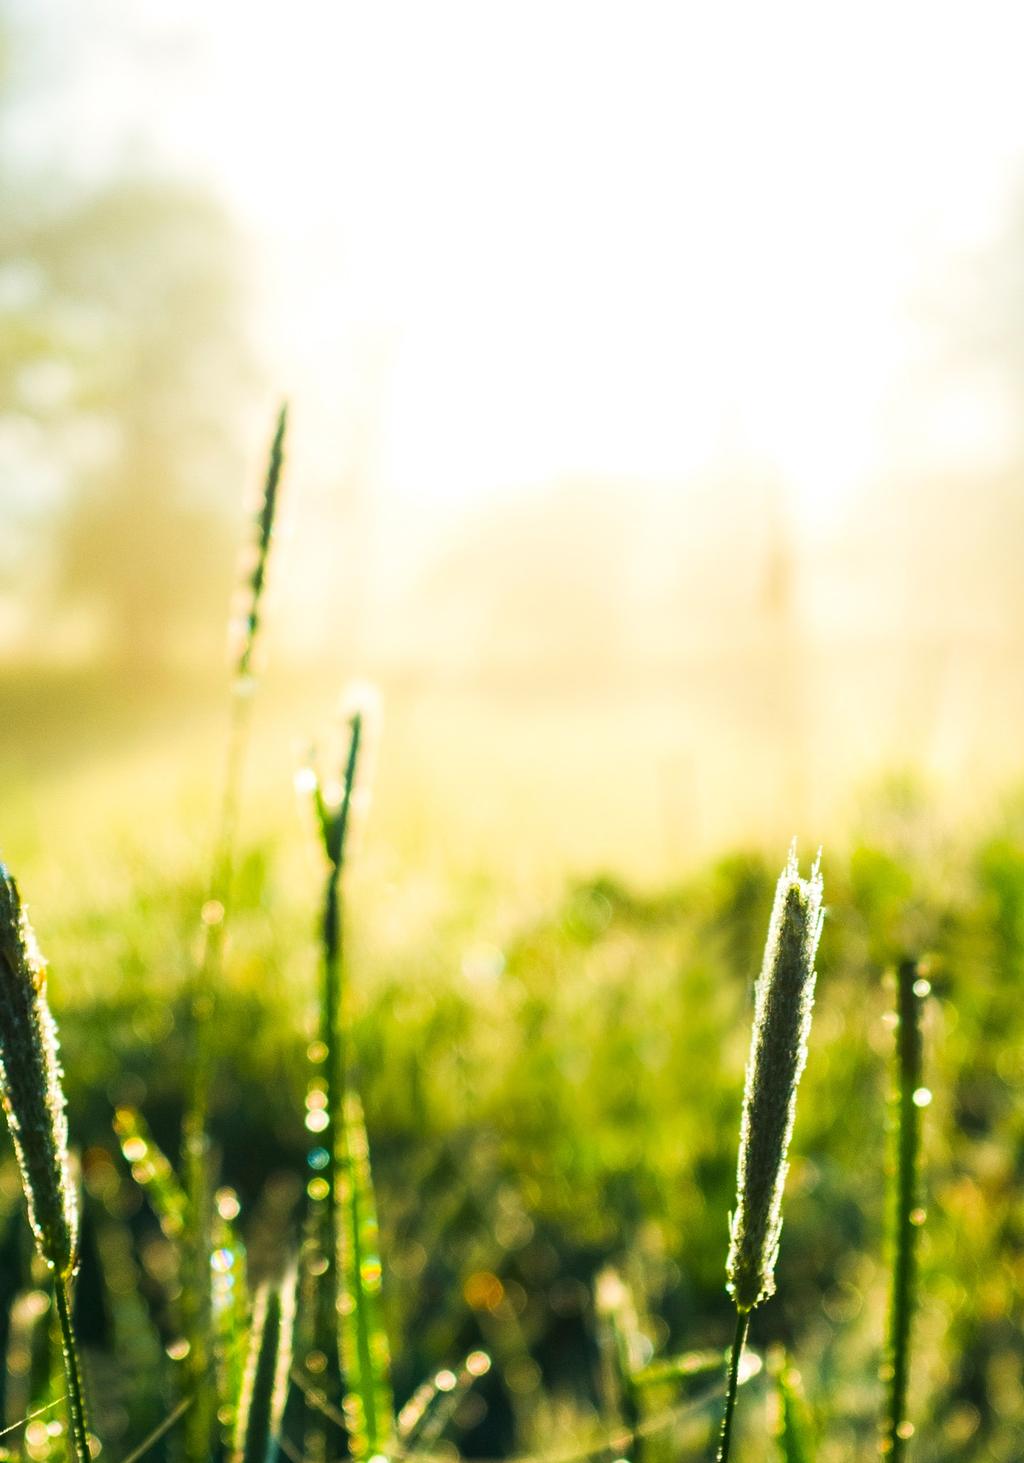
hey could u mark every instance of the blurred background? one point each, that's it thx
(657, 447)
(655, 382)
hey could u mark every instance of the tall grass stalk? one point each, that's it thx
(783, 1003)
(911, 1098)
(33, 1099)
(196, 1297)
(349, 1332)
(334, 824)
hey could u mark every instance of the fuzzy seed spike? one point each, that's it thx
(262, 538)
(30, 1086)
(784, 1000)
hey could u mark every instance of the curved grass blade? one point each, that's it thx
(428, 1412)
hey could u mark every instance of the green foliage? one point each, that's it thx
(554, 1090)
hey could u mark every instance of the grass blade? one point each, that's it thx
(264, 1386)
(677, 1368)
(619, 1345)
(231, 1314)
(432, 1406)
(369, 1406)
(793, 1428)
(152, 1171)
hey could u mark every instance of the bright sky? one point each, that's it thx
(537, 239)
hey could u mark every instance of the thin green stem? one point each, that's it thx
(334, 829)
(77, 1424)
(725, 1438)
(196, 1296)
(206, 984)
(909, 1057)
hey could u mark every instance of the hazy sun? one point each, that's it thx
(578, 238)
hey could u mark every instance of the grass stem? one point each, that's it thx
(911, 1098)
(335, 828)
(725, 1438)
(196, 1297)
(77, 1424)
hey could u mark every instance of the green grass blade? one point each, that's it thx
(681, 1368)
(151, 1169)
(621, 1347)
(369, 1405)
(34, 1378)
(423, 1419)
(793, 1428)
(264, 1386)
(231, 1315)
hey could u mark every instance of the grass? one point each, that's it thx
(551, 1085)
(529, 1127)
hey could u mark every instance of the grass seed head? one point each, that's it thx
(256, 571)
(30, 1085)
(784, 999)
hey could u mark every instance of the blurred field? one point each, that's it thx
(551, 1059)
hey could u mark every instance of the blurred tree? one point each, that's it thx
(124, 345)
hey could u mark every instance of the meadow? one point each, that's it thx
(549, 1050)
